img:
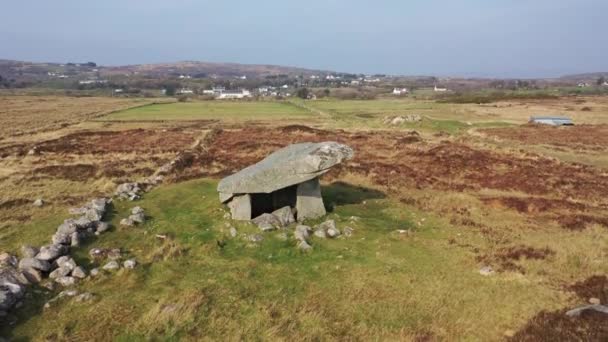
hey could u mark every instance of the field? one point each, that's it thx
(211, 110)
(430, 202)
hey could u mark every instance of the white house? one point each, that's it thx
(185, 91)
(229, 94)
(583, 85)
(440, 89)
(208, 92)
(400, 91)
(605, 84)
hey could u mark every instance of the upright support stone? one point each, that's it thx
(240, 208)
(309, 203)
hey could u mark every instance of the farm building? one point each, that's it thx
(241, 94)
(552, 120)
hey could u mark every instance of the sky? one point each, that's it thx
(472, 38)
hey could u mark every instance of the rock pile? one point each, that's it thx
(399, 120)
(278, 219)
(137, 216)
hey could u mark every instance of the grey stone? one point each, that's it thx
(98, 253)
(66, 281)
(32, 275)
(83, 223)
(102, 227)
(578, 311)
(62, 239)
(285, 216)
(41, 265)
(291, 165)
(60, 272)
(486, 271)
(67, 293)
(320, 233)
(302, 233)
(111, 266)
(128, 222)
(66, 261)
(51, 252)
(67, 227)
(304, 246)
(99, 204)
(309, 203)
(138, 218)
(233, 232)
(137, 210)
(129, 264)
(75, 239)
(330, 228)
(267, 222)
(29, 251)
(7, 259)
(79, 273)
(85, 297)
(240, 208)
(93, 214)
(39, 203)
(114, 254)
(348, 231)
(94, 272)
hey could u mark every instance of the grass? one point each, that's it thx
(212, 110)
(375, 285)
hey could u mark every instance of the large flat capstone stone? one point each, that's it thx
(289, 166)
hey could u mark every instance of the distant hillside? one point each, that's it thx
(219, 69)
(586, 76)
(10, 68)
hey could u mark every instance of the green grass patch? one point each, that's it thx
(211, 110)
(376, 285)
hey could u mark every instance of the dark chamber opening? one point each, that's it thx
(267, 203)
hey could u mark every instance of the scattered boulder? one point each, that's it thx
(29, 251)
(285, 216)
(7, 259)
(128, 222)
(348, 231)
(32, 275)
(60, 272)
(304, 246)
(233, 232)
(66, 281)
(114, 254)
(98, 253)
(39, 203)
(79, 273)
(267, 222)
(138, 218)
(85, 297)
(51, 252)
(129, 264)
(486, 271)
(75, 239)
(66, 261)
(94, 272)
(329, 228)
(41, 265)
(129, 191)
(102, 227)
(111, 266)
(302, 233)
(320, 233)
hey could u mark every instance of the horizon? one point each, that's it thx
(473, 39)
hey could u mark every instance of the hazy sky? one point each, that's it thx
(505, 38)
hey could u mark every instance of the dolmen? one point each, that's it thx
(287, 177)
